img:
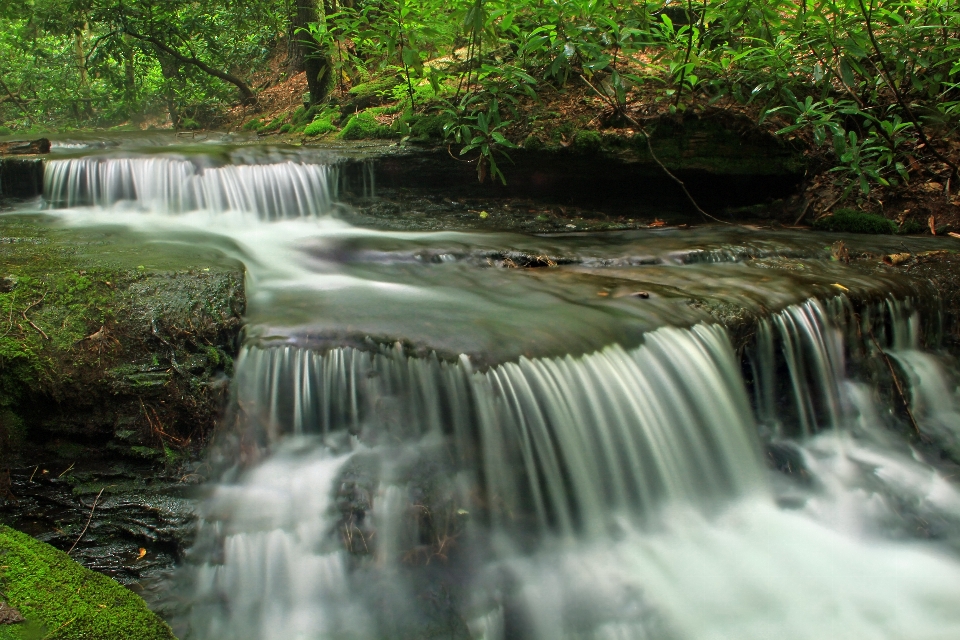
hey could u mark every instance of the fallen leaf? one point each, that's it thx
(932, 223)
(953, 234)
(657, 222)
(840, 286)
(142, 553)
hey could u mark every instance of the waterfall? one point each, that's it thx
(279, 190)
(619, 494)
(569, 439)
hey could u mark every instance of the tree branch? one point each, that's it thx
(245, 91)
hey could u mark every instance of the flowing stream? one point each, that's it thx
(650, 434)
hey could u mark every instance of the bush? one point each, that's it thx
(852, 221)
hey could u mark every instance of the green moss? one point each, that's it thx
(851, 221)
(533, 143)
(381, 87)
(364, 125)
(427, 127)
(587, 142)
(148, 453)
(253, 125)
(319, 126)
(274, 124)
(912, 227)
(6, 131)
(85, 321)
(287, 128)
(61, 600)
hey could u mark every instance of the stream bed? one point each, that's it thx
(656, 432)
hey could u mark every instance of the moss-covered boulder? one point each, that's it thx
(61, 600)
(109, 339)
(851, 221)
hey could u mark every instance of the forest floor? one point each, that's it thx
(563, 117)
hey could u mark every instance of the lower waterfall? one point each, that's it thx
(620, 494)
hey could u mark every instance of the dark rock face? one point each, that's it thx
(21, 177)
(724, 161)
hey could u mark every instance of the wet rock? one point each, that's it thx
(111, 339)
(9, 615)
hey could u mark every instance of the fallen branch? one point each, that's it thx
(896, 381)
(30, 322)
(89, 518)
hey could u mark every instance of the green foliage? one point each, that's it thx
(61, 599)
(852, 221)
(286, 128)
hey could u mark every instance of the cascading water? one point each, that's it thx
(174, 185)
(616, 495)
(590, 467)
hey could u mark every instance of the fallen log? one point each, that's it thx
(24, 147)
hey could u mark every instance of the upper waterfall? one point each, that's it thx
(285, 189)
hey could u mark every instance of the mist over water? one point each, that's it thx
(423, 445)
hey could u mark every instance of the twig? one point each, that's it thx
(831, 205)
(653, 155)
(896, 381)
(67, 469)
(30, 322)
(803, 213)
(13, 300)
(89, 518)
(54, 632)
(34, 473)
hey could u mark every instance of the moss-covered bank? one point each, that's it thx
(60, 600)
(108, 339)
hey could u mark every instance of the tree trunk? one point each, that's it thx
(130, 81)
(316, 63)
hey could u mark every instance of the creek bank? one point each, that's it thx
(111, 342)
(61, 600)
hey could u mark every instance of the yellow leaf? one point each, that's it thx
(840, 286)
(142, 553)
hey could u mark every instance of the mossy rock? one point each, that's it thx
(364, 126)
(318, 127)
(852, 221)
(912, 227)
(587, 142)
(113, 330)
(61, 600)
(381, 87)
(426, 127)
